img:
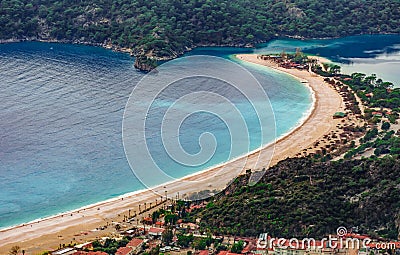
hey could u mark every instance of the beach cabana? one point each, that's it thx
(339, 115)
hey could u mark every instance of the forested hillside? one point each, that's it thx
(299, 198)
(166, 28)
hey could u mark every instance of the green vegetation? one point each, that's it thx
(153, 251)
(381, 104)
(300, 197)
(167, 235)
(385, 125)
(385, 143)
(237, 247)
(166, 28)
(185, 240)
(373, 90)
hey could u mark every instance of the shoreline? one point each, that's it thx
(301, 121)
(89, 217)
(133, 193)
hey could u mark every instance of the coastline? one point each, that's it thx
(47, 231)
(192, 175)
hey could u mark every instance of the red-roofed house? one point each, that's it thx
(148, 220)
(159, 223)
(248, 249)
(156, 231)
(203, 252)
(124, 251)
(227, 253)
(377, 114)
(136, 244)
(357, 235)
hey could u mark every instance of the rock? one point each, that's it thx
(145, 64)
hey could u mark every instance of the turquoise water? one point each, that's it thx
(61, 113)
(62, 107)
(379, 54)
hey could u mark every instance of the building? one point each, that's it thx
(87, 245)
(64, 251)
(377, 114)
(124, 251)
(90, 253)
(148, 221)
(203, 252)
(228, 253)
(189, 225)
(136, 244)
(156, 231)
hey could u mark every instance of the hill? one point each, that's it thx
(164, 29)
(302, 198)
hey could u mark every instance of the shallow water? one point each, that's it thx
(61, 114)
(62, 107)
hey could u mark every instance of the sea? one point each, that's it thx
(62, 110)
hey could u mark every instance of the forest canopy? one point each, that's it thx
(166, 28)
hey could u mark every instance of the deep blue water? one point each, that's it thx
(61, 117)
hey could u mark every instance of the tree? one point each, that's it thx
(14, 250)
(167, 236)
(185, 240)
(385, 125)
(386, 85)
(237, 247)
(370, 80)
(200, 244)
(335, 69)
(171, 219)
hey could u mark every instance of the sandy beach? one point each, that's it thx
(79, 225)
